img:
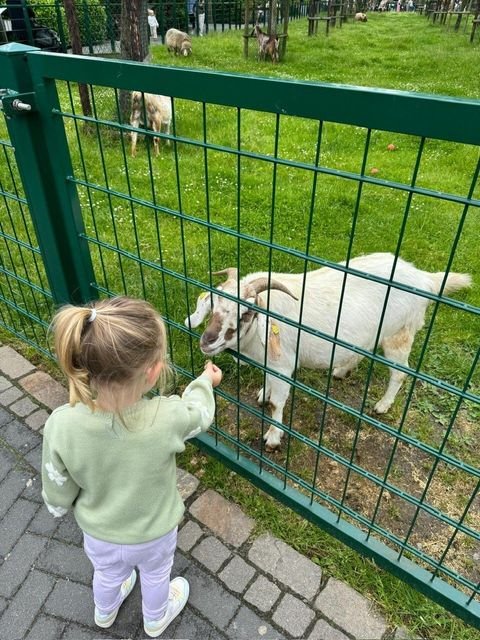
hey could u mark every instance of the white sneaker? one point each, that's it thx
(106, 620)
(177, 599)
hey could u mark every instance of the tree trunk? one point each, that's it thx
(74, 31)
(134, 42)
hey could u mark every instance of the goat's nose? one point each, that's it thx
(208, 337)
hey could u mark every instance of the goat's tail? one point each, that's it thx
(455, 281)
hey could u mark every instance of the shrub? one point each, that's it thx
(91, 14)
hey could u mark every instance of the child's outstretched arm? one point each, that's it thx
(199, 400)
(58, 489)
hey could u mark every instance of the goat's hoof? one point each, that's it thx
(382, 406)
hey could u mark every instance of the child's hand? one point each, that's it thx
(214, 373)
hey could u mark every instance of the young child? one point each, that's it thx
(110, 453)
(153, 24)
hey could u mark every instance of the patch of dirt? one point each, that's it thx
(353, 453)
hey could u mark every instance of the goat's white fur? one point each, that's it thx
(361, 312)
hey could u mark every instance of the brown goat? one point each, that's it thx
(158, 112)
(267, 45)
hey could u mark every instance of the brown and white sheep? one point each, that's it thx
(179, 42)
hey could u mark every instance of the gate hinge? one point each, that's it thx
(14, 103)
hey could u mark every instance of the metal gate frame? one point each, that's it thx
(37, 132)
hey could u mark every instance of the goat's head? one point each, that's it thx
(231, 320)
(186, 48)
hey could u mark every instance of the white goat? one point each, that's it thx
(158, 110)
(179, 42)
(361, 17)
(360, 315)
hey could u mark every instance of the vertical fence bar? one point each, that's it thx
(43, 161)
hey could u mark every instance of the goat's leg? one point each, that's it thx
(134, 122)
(279, 391)
(396, 348)
(167, 124)
(157, 127)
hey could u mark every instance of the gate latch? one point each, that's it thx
(14, 103)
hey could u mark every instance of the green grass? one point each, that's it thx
(390, 51)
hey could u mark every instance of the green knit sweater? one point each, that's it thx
(121, 478)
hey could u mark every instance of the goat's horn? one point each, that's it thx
(262, 284)
(230, 272)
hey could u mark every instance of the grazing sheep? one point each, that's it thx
(158, 110)
(360, 17)
(267, 45)
(179, 42)
(250, 332)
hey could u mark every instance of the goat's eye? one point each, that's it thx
(229, 333)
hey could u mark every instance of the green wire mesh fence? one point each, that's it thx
(43, 23)
(272, 176)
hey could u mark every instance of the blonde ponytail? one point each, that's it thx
(69, 327)
(109, 344)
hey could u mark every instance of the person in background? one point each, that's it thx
(110, 453)
(153, 24)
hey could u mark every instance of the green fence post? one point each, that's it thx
(43, 160)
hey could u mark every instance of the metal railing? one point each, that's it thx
(270, 175)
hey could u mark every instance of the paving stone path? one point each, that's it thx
(242, 588)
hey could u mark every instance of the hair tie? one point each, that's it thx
(93, 315)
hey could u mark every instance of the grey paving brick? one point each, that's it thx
(34, 458)
(20, 437)
(13, 364)
(356, 616)
(33, 490)
(23, 407)
(10, 396)
(71, 601)
(67, 561)
(14, 523)
(188, 535)
(192, 626)
(262, 594)
(180, 564)
(74, 632)
(45, 389)
(247, 626)
(11, 488)
(5, 417)
(46, 628)
(19, 562)
(25, 606)
(3, 605)
(7, 461)
(293, 615)
(4, 383)
(68, 530)
(210, 599)
(187, 483)
(286, 565)
(237, 574)
(37, 420)
(43, 523)
(212, 553)
(224, 518)
(323, 631)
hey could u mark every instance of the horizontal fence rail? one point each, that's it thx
(281, 177)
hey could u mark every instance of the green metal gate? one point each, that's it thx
(271, 175)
